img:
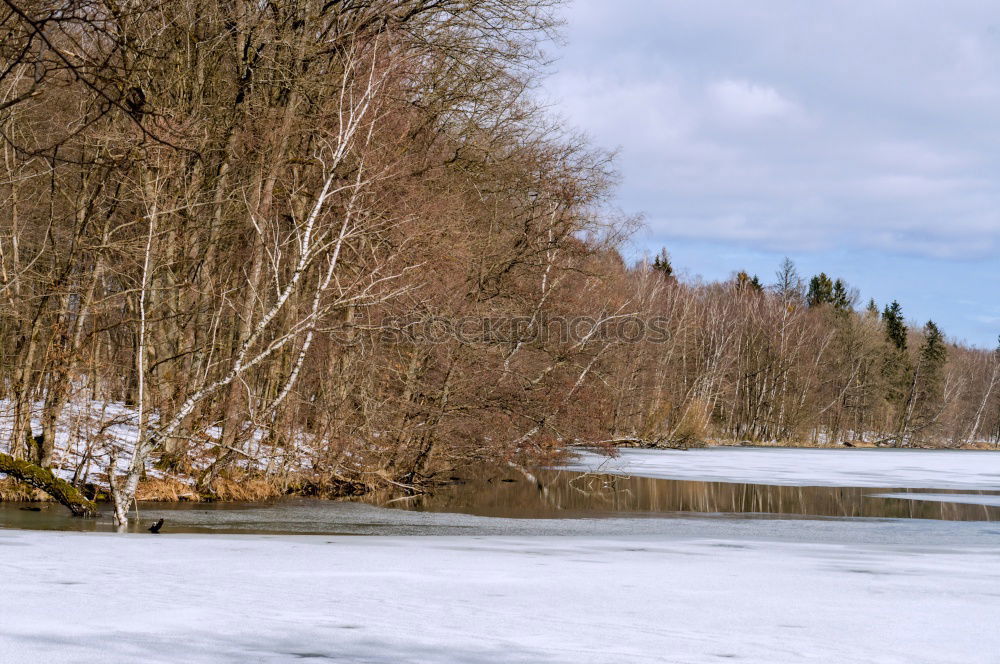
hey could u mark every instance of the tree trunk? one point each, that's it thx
(44, 479)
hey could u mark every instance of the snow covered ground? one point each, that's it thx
(91, 435)
(914, 469)
(73, 597)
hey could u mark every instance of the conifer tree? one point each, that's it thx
(748, 284)
(897, 370)
(841, 298)
(933, 352)
(927, 392)
(895, 326)
(663, 265)
(820, 290)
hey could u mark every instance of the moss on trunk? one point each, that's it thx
(45, 479)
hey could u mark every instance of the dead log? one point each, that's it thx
(45, 479)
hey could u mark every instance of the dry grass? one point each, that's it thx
(247, 489)
(165, 490)
(17, 492)
(228, 489)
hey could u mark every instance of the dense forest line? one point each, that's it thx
(227, 226)
(799, 362)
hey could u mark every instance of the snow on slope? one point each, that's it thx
(72, 597)
(915, 469)
(93, 434)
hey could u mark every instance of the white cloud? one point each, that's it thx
(917, 155)
(909, 186)
(813, 125)
(790, 127)
(744, 101)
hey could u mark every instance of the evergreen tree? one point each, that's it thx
(748, 284)
(663, 265)
(841, 298)
(872, 308)
(820, 290)
(897, 370)
(823, 290)
(927, 393)
(895, 326)
(933, 352)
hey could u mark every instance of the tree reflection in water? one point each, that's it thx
(554, 494)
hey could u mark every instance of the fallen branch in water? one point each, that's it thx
(44, 479)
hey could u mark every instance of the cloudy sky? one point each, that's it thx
(861, 138)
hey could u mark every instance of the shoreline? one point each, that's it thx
(251, 489)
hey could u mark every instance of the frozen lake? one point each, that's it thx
(74, 597)
(915, 469)
(559, 567)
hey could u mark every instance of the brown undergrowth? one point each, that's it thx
(224, 489)
(13, 491)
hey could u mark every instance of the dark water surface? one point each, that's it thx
(544, 501)
(569, 494)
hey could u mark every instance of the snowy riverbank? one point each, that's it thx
(72, 597)
(915, 469)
